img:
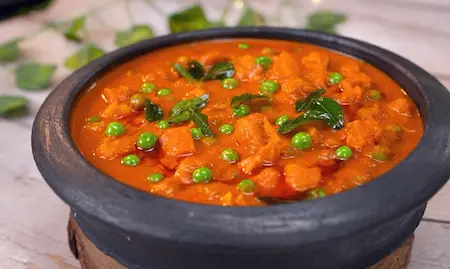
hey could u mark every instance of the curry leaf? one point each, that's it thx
(77, 26)
(325, 21)
(305, 104)
(34, 76)
(83, 56)
(194, 103)
(251, 18)
(190, 19)
(201, 120)
(152, 112)
(185, 115)
(9, 51)
(244, 98)
(220, 70)
(183, 72)
(292, 124)
(12, 105)
(329, 110)
(196, 69)
(133, 35)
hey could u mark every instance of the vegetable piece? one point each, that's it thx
(268, 86)
(241, 110)
(115, 129)
(246, 186)
(162, 124)
(245, 98)
(373, 95)
(164, 92)
(93, 119)
(281, 120)
(83, 56)
(264, 61)
(226, 128)
(138, 101)
(131, 160)
(192, 18)
(251, 18)
(220, 70)
(196, 69)
(335, 78)
(229, 83)
(11, 106)
(244, 46)
(34, 76)
(155, 177)
(315, 194)
(152, 111)
(344, 153)
(196, 133)
(229, 155)
(202, 175)
(75, 30)
(133, 35)
(147, 87)
(183, 72)
(301, 141)
(9, 51)
(325, 21)
(146, 141)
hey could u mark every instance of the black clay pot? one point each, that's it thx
(349, 230)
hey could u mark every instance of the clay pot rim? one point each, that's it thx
(89, 191)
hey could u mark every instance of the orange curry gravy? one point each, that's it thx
(390, 126)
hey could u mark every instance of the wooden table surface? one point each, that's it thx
(33, 220)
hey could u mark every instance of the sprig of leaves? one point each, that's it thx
(190, 19)
(83, 56)
(325, 21)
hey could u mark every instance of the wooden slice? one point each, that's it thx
(92, 258)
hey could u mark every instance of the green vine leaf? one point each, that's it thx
(133, 35)
(9, 51)
(34, 76)
(12, 106)
(83, 56)
(192, 18)
(325, 21)
(251, 18)
(76, 29)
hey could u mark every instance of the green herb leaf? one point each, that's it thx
(133, 35)
(292, 124)
(244, 98)
(196, 69)
(11, 106)
(185, 115)
(329, 110)
(201, 120)
(194, 103)
(183, 72)
(83, 56)
(251, 18)
(220, 71)
(76, 28)
(305, 104)
(152, 112)
(9, 51)
(34, 76)
(190, 19)
(325, 21)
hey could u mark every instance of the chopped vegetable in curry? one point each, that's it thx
(245, 122)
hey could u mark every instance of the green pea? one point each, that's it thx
(229, 83)
(155, 177)
(241, 111)
(315, 194)
(162, 124)
(137, 101)
(244, 46)
(379, 155)
(269, 86)
(264, 61)
(146, 140)
(202, 175)
(131, 160)
(335, 78)
(373, 95)
(226, 129)
(147, 87)
(344, 153)
(301, 141)
(246, 186)
(93, 119)
(229, 155)
(281, 120)
(164, 92)
(196, 133)
(114, 129)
